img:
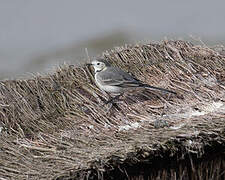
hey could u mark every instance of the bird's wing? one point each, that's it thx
(116, 77)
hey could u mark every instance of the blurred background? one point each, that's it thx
(38, 35)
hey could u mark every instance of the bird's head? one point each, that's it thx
(99, 64)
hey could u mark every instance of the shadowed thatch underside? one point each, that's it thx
(55, 126)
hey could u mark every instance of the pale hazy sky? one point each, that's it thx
(48, 23)
(31, 26)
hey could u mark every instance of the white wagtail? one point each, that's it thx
(116, 81)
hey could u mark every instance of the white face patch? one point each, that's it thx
(98, 66)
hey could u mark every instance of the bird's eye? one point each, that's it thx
(98, 63)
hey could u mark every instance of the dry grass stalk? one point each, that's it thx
(54, 127)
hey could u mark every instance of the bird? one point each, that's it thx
(114, 80)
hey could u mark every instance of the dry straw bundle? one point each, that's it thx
(55, 127)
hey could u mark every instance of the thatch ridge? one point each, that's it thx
(55, 126)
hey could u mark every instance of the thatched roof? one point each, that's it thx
(57, 126)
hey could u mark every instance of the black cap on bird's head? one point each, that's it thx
(99, 64)
(102, 60)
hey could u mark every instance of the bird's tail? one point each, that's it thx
(158, 88)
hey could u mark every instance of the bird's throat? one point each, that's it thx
(100, 70)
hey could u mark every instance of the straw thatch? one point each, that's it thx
(57, 126)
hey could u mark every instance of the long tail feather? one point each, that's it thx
(158, 88)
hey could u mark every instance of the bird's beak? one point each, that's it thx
(88, 64)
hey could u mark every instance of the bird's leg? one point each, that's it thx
(112, 99)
